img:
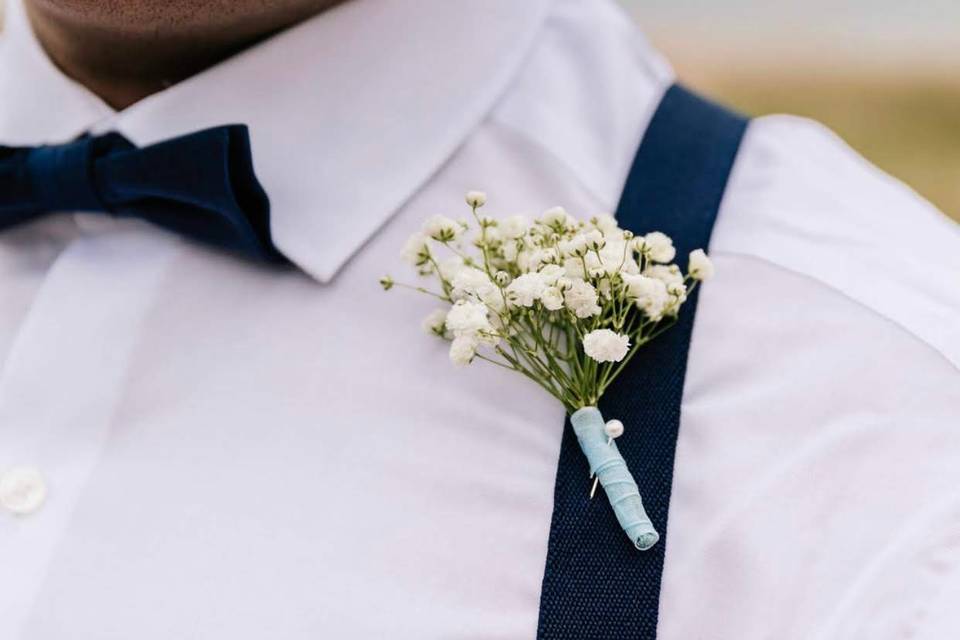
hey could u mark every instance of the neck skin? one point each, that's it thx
(129, 52)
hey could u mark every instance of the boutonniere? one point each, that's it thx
(566, 303)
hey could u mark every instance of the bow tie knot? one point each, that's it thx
(62, 176)
(201, 185)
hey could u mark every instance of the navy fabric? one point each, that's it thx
(201, 185)
(596, 585)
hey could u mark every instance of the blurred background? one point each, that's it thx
(884, 74)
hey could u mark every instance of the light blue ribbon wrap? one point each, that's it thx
(611, 469)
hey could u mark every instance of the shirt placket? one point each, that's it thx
(59, 389)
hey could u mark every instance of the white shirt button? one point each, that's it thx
(22, 490)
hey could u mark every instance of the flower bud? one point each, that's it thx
(701, 267)
(476, 199)
(554, 217)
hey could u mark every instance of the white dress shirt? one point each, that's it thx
(230, 451)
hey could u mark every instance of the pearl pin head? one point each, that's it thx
(613, 428)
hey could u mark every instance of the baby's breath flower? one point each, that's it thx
(463, 349)
(575, 246)
(650, 294)
(676, 296)
(467, 318)
(468, 282)
(637, 285)
(549, 256)
(701, 266)
(607, 224)
(551, 272)
(614, 258)
(502, 278)
(492, 297)
(581, 298)
(659, 247)
(594, 240)
(386, 282)
(525, 289)
(573, 268)
(514, 227)
(532, 260)
(669, 274)
(442, 228)
(450, 267)
(435, 322)
(678, 290)
(555, 217)
(629, 265)
(528, 259)
(417, 250)
(604, 345)
(491, 236)
(552, 299)
(476, 199)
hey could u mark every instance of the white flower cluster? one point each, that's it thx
(604, 345)
(563, 301)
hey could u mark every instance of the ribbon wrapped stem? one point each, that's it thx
(614, 476)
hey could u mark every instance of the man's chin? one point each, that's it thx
(135, 15)
(186, 17)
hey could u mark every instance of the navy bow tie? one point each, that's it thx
(200, 185)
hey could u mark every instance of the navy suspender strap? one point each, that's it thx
(596, 585)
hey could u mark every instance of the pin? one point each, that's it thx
(613, 429)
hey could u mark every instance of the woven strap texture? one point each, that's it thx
(596, 585)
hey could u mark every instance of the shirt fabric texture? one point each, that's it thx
(233, 452)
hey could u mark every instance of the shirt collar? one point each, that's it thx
(40, 104)
(349, 112)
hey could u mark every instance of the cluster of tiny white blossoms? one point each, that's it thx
(565, 302)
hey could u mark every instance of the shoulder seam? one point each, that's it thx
(904, 329)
